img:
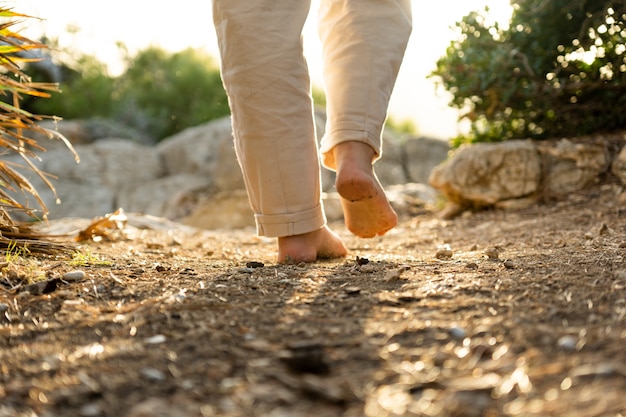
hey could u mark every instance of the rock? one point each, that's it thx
(458, 333)
(84, 132)
(571, 166)
(158, 407)
(206, 151)
(483, 174)
(518, 173)
(422, 156)
(91, 410)
(404, 197)
(76, 199)
(73, 276)
(618, 167)
(226, 210)
(126, 163)
(89, 188)
(567, 343)
(173, 197)
(390, 167)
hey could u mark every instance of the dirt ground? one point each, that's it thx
(496, 313)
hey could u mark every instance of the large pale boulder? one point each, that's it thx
(226, 210)
(172, 197)
(484, 174)
(571, 166)
(90, 188)
(206, 151)
(83, 132)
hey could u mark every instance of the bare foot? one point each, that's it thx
(308, 247)
(366, 210)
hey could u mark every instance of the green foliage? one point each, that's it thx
(159, 94)
(319, 96)
(403, 127)
(86, 92)
(559, 69)
(172, 91)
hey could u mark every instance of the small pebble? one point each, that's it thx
(352, 290)
(155, 340)
(509, 264)
(444, 254)
(567, 343)
(152, 374)
(393, 275)
(458, 332)
(74, 276)
(493, 253)
(90, 410)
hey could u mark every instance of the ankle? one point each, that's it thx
(353, 154)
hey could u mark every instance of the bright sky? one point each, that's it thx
(188, 23)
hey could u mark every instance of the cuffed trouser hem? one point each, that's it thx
(279, 225)
(338, 136)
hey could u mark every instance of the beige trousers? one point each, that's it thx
(267, 81)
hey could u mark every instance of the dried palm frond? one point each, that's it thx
(22, 237)
(15, 124)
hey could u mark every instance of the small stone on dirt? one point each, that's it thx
(74, 276)
(567, 343)
(509, 264)
(352, 290)
(393, 275)
(155, 340)
(493, 253)
(458, 332)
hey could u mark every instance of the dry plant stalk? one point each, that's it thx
(15, 124)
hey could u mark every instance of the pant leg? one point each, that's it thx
(363, 44)
(267, 81)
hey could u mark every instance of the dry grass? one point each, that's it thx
(15, 126)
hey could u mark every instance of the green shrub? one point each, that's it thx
(159, 94)
(170, 91)
(86, 91)
(559, 69)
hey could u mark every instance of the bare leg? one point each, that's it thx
(309, 247)
(367, 211)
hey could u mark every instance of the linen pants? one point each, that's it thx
(266, 78)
